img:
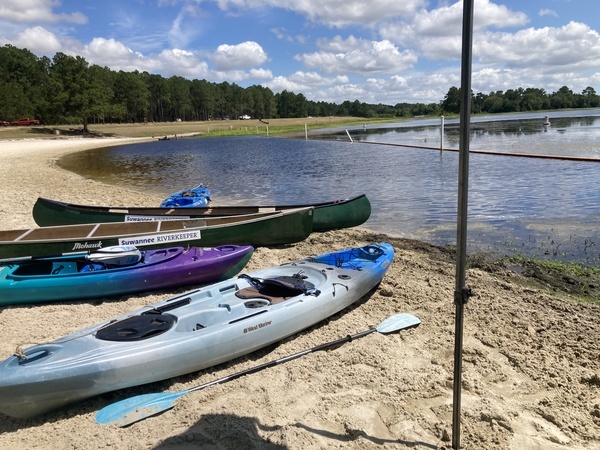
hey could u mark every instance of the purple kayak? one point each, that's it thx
(110, 273)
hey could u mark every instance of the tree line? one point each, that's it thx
(518, 100)
(66, 90)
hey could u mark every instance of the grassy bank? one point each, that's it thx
(571, 279)
(210, 128)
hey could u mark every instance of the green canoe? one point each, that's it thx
(258, 230)
(327, 216)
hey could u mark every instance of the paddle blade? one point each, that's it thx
(398, 322)
(131, 410)
(117, 255)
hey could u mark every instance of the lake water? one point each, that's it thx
(548, 208)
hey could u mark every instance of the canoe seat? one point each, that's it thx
(137, 328)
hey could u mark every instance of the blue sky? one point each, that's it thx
(374, 51)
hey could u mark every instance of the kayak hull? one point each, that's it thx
(188, 198)
(77, 278)
(193, 331)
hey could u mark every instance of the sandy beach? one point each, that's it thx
(531, 361)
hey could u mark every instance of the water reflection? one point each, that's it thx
(541, 207)
(569, 134)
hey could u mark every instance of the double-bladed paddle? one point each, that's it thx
(134, 409)
(117, 255)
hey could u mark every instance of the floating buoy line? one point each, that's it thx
(484, 152)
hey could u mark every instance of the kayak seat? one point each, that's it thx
(137, 328)
(276, 290)
(252, 292)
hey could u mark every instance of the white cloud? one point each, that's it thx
(358, 56)
(501, 79)
(307, 83)
(572, 47)
(314, 79)
(344, 92)
(109, 52)
(30, 11)
(530, 57)
(260, 74)
(413, 89)
(389, 91)
(547, 12)
(335, 13)
(183, 31)
(282, 34)
(246, 54)
(438, 33)
(417, 88)
(487, 14)
(180, 62)
(38, 40)
(282, 83)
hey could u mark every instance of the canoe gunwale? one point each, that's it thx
(334, 214)
(104, 229)
(262, 229)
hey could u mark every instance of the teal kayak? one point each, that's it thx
(81, 276)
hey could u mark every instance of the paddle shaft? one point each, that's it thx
(23, 259)
(128, 411)
(82, 254)
(276, 362)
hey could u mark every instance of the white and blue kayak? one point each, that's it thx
(190, 332)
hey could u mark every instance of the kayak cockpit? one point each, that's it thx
(46, 267)
(232, 303)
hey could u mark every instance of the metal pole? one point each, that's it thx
(441, 133)
(462, 293)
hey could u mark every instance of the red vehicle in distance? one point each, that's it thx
(26, 122)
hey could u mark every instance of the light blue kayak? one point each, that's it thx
(190, 332)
